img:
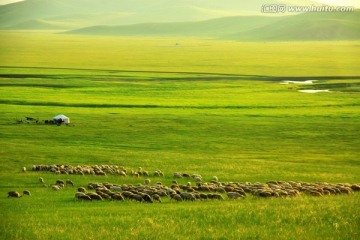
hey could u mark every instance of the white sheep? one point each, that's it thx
(23, 169)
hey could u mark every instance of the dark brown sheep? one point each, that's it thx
(118, 197)
(14, 194)
(69, 182)
(147, 198)
(26, 192)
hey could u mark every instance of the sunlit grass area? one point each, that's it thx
(210, 107)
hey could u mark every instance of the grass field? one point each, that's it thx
(216, 108)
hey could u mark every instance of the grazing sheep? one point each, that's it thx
(26, 192)
(78, 194)
(345, 190)
(203, 196)
(156, 197)
(126, 194)
(82, 189)
(315, 193)
(220, 190)
(69, 182)
(85, 197)
(100, 173)
(176, 197)
(158, 173)
(103, 195)
(94, 196)
(60, 182)
(137, 197)
(355, 187)
(187, 196)
(116, 188)
(198, 179)
(196, 176)
(41, 180)
(14, 194)
(217, 196)
(265, 194)
(118, 197)
(178, 175)
(185, 175)
(234, 195)
(55, 187)
(147, 181)
(147, 198)
(23, 169)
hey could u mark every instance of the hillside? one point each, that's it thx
(84, 13)
(307, 26)
(225, 19)
(210, 28)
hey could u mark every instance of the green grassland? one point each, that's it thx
(207, 106)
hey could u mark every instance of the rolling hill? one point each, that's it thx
(84, 13)
(210, 28)
(225, 19)
(307, 26)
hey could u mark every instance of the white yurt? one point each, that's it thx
(64, 119)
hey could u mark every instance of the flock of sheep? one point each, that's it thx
(101, 170)
(195, 189)
(208, 190)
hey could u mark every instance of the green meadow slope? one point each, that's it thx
(307, 26)
(83, 13)
(40, 25)
(209, 28)
(216, 19)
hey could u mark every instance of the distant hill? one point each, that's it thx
(84, 13)
(307, 26)
(225, 19)
(210, 28)
(40, 25)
